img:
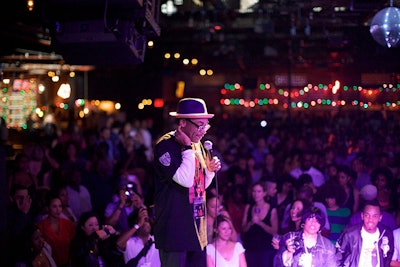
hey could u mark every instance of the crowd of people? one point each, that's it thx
(303, 191)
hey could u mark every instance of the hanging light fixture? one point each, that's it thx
(385, 26)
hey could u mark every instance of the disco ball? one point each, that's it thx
(385, 27)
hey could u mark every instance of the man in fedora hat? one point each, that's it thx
(182, 169)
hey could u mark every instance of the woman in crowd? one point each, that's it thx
(285, 194)
(346, 179)
(214, 208)
(382, 178)
(296, 210)
(338, 215)
(57, 231)
(93, 245)
(224, 251)
(297, 207)
(259, 224)
(67, 212)
(307, 247)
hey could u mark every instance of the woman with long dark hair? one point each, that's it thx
(94, 245)
(260, 223)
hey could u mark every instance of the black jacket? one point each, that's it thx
(349, 246)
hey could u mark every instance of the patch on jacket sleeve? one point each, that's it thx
(165, 159)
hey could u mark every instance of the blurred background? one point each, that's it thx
(71, 59)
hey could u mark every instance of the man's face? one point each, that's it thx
(20, 196)
(306, 162)
(271, 189)
(371, 216)
(192, 130)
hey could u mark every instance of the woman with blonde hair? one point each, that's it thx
(224, 251)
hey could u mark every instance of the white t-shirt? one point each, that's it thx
(318, 177)
(79, 201)
(369, 244)
(221, 261)
(133, 247)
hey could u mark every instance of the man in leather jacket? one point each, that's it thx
(369, 243)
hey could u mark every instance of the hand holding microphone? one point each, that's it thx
(214, 164)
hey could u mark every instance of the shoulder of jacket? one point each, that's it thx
(165, 137)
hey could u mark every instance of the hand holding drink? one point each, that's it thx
(290, 242)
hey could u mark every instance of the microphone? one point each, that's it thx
(208, 145)
(385, 246)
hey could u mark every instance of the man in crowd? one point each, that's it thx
(368, 243)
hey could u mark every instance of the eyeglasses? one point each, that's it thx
(200, 128)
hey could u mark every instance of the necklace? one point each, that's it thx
(257, 210)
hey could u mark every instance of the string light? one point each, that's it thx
(30, 4)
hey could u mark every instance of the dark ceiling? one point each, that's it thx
(272, 34)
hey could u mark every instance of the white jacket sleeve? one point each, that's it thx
(184, 175)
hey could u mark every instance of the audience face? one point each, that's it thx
(371, 216)
(145, 229)
(296, 211)
(35, 165)
(242, 163)
(72, 150)
(306, 162)
(381, 182)
(271, 189)
(258, 193)
(137, 200)
(37, 241)
(239, 179)
(55, 208)
(224, 231)
(75, 180)
(332, 171)
(311, 225)
(306, 194)
(90, 226)
(343, 178)
(287, 187)
(23, 163)
(213, 207)
(269, 160)
(20, 196)
(238, 195)
(251, 163)
(330, 202)
(63, 195)
(357, 165)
